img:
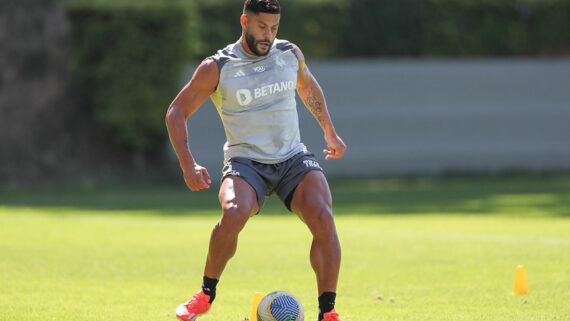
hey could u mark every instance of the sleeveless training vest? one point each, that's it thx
(255, 98)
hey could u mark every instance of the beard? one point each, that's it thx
(252, 44)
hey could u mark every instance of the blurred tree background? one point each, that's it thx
(84, 85)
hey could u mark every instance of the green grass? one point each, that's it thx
(422, 249)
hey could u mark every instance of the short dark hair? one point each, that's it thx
(266, 6)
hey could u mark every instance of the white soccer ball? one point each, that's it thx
(280, 306)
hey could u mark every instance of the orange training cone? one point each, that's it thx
(256, 299)
(521, 286)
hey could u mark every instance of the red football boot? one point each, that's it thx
(197, 306)
(331, 316)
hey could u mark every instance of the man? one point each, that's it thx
(252, 84)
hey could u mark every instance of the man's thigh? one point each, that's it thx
(237, 193)
(292, 173)
(312, 196)
(245, 169)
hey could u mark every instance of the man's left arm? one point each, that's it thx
(312, 95)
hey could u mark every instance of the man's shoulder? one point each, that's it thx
(223, 55)
(286, 45)
(283, 45)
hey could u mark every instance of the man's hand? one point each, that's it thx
(197, 178)
(336, 147)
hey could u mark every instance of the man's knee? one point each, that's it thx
(321, 221)
(234, 217)
(238, 201)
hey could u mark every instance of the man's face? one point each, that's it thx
(260, 32)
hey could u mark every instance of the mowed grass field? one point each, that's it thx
(415, 249)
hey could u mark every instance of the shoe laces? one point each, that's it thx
(331, 316)
(199, 301)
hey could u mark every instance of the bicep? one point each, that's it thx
(199, 88)
(303, 74)
(305, 79)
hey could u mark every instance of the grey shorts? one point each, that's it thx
(266, 179)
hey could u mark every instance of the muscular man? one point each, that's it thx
(252, 83)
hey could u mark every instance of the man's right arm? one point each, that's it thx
(201, 86)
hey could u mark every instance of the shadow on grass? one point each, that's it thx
(517, 196)
(521, 196)
(170, 198)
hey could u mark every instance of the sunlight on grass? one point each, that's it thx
(448, 251)
(132, 267)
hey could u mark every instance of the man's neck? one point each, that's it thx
(246, 47)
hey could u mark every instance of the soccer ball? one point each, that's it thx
(280, 306)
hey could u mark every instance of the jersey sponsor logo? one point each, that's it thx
(245, 96)
(239, 73)
(259, 69)
(273, 88)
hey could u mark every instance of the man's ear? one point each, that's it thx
(243, 21)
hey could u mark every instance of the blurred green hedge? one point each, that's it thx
(345, 28)
(129, 57)
(495, 27)
(127, 63)
(316, 25)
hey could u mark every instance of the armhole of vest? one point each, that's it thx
(295, 54)
(220, 61)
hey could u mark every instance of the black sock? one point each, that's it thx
(326, 303)
(209, 288)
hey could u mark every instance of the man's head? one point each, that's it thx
(260, 22)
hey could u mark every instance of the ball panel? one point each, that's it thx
(280, 306)
(283, 306)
